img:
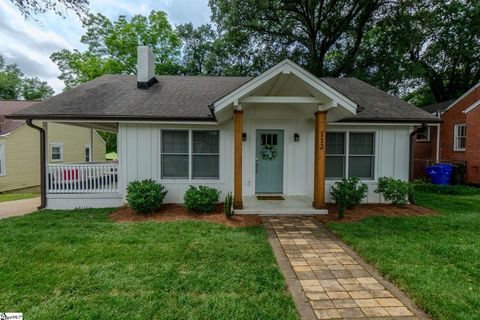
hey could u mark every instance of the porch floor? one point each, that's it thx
(292, 205)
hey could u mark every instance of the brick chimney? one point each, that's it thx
(145, 67)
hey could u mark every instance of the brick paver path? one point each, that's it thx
(336, 282)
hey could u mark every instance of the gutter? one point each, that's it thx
(43, 190)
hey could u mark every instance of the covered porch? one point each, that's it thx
(279, 136)
(87, 184)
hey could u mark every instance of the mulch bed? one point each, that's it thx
(368, 210)
(177, 212)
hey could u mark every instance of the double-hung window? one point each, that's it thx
(205, 154)
(190, 154)
(350, 154)
(56, 152)
(335, 156)
(460, 137)
(175, 154)
(3, 168)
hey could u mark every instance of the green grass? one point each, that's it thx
(436, 260)
(17, 196)
(80, 265)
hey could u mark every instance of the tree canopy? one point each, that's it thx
(13, 84)
(112, 47)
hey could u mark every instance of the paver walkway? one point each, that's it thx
(328, 278)
(18, 207)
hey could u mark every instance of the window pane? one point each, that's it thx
(361, 143)
(175, 166)
(335, 167)
(205, 141)
(205, 167)
(335, 143)
(174, 141)
(361, 167)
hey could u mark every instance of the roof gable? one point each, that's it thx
(285, 67)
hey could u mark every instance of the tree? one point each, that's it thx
(35, 89)
(10, 80)
(32, 7)
(430, 46)
(13, 84)
(112, 47)
(312, 32)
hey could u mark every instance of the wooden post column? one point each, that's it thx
(237, 185)
(319, 162)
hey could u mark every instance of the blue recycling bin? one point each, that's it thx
(440, 173)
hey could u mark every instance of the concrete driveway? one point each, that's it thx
(18, 207)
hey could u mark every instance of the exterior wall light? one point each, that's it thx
(244, 136)
(296, 137)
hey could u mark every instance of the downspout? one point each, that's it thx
(43, 193)
(412, 134)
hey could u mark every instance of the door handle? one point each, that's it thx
(256, 164)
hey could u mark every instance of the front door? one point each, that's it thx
(269, 161)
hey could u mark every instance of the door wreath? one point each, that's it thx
(269, 152)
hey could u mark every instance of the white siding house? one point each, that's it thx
(285, 132)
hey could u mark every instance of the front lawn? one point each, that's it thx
(17, 196)
(79, 264)
(436, 260)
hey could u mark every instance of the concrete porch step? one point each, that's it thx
(282, 211)
(291, 205)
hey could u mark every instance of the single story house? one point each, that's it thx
(20, 148)
(284, 132)
(457, 139)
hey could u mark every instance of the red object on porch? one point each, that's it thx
(70, 174)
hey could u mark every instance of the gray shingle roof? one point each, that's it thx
(117, 96)
(375, 104)
(440, 106)
(190, 98)
(11, 106)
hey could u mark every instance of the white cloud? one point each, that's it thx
(29, 43)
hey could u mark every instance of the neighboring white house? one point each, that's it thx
(284, 132)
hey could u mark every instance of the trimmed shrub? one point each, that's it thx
(395, 190)
(228, 205)
(145, 196)
(348, 193)
(202, 199)
(457, 190)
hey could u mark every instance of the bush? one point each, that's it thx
(228, 206)
(348, 193)
(395, 190)
(145, 196)
(202, 199)
(459, 190)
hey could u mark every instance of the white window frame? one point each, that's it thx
(190, 155)
(347, 153)
(427, 139)
(56, 145)
(456, 136)
(3, 160)
(87, 146)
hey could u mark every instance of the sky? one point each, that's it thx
(29, 43)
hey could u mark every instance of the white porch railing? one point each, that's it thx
(82, 178)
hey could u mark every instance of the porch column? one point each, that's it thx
(237, 187)
(319, 162)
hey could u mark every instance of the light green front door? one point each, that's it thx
(269, 161)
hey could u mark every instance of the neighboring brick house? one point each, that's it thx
(459, 136)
